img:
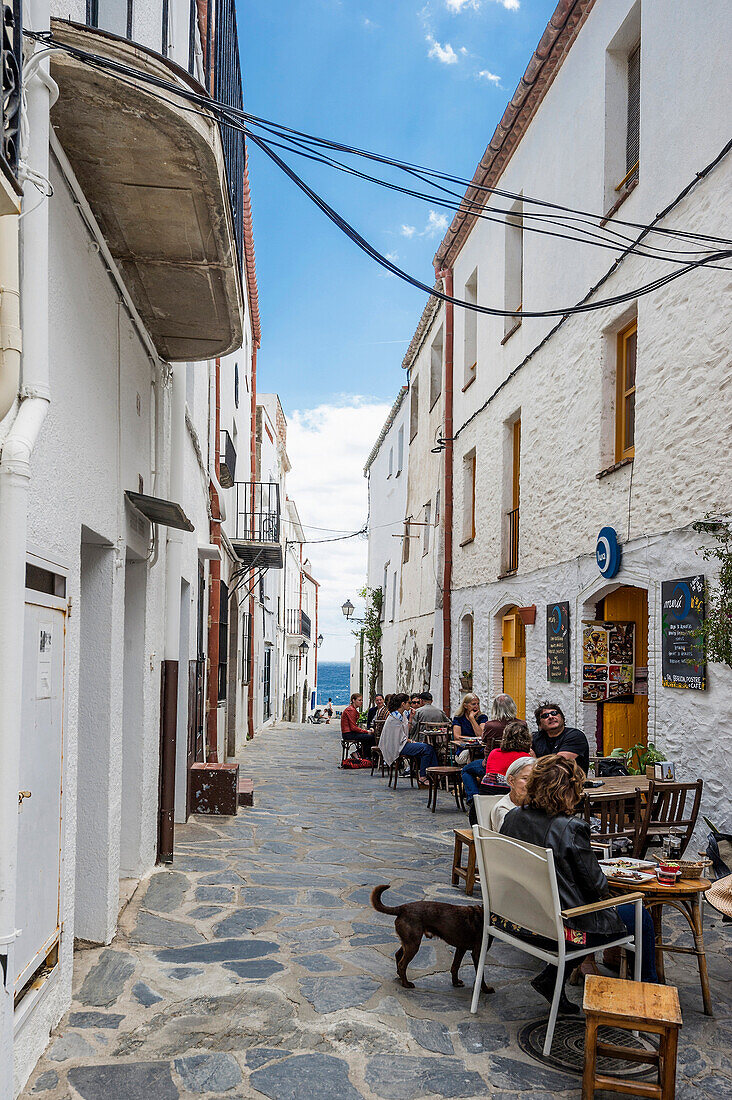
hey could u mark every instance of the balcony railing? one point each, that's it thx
(298, 622)
(228, 90)
(512, 556)
(227, 460)
(11, 81)
(256, 536)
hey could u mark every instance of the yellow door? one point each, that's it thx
(514, 659)
(626, 724)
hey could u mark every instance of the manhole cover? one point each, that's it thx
(568, 1048)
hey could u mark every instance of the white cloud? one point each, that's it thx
(328, 447)
(444, 54)
(456, 6)
(393, 256)
(436, 223)
(484, 74)
(408, 230)
(369, 24)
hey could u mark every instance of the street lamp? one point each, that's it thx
(347, 608)
(303, 647)
(319, 641)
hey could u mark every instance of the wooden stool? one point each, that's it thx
(631, 1006)
(452, 778)
(464, 838)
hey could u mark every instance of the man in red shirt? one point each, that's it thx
(351, 731)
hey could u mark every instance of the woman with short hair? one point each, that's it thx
(517, 775)
(548, 819)
(394, 741)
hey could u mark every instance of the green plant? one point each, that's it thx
(637, 758)
(374, 598)
(716, 630)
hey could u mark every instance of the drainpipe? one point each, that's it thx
(15, 472)
(446, 276)
(9, 314)
(252, 479)
(214, 599)
(169, 669)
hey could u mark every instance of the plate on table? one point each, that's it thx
(627, 875)
(629, 870)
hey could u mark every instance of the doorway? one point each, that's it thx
(513, 651)
(623, 725)
(267, 683)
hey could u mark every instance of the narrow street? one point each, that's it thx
(256, 967)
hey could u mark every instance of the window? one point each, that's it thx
(436, 368)
(426, 528)
(632, 131)
(470, 294)
(469, 497)
(223, 638)
(400, 451)
(625, 393)
(394, 596)
(428, 664)
(236, 385)
(414, 411)
(622, 111)
(466, 643)
(512, 533)
(514, 269)
(111, 15)
(166, 33)
(437, 508)
(384, 591)
(246, 648)
(391, 462)
(405, 541)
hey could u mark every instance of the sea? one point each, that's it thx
(334, 682)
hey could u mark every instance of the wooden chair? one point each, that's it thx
(401, 762)
(631, 1006)
(437, 735)
(621, 817)
(467, 871)
(346, 746)
(519, 884)
(377, 760)
(669, 805)
(450, 779)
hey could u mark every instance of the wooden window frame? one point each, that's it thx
(470, 467)
(414, 411)
(622, 391)
(405, 542)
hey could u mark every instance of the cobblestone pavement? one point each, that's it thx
(255, 967)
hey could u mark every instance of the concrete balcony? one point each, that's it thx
(257, 535)
(154, 175)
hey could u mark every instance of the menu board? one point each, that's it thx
(682, 651)
(557, 643)
(608, 660)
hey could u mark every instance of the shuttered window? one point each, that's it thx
(625, 400)
(632, 141)
(246, 648)
(223, 639)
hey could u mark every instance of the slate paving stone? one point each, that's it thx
(161, 932)
(331, 994)
(259, 1056)
(263, 895)
(432, 1036)
(165, 891)
(46, 1081)
(254, 969)
(312, 939)
(224, 878)
(106, 979)
(318, 963)
(70, 1045)
(406, 1078)
(243, 920)
(144, 995)
(205, 912)
(220, 951)
(198, 864)
(95, 1019)
(132, 1081)
(306, 1075)
(223, 894)
(208, 1072)
(183, 972)
(509, 1073)
(482, 1037)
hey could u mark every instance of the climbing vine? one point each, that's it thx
(374, 598)
(716, 630)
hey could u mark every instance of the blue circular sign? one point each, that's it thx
(607, 552)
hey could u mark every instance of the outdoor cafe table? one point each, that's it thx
(475, 747)
(620, 784)
(686, 896)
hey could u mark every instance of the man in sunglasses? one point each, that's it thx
(553, 736)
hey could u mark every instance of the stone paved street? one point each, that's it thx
(255, 967)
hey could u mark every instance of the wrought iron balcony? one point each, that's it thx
(228, 90)
(298, 623)
(10, 103)
(257, 527)
(227, 460)
(512, 557)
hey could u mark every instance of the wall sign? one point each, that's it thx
(557, 643)
(682, 614)
(608, 659)
(608, 552)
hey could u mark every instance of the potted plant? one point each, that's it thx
(637, 758)
(466, 679)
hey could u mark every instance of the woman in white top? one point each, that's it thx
(394, 740)
(517, 774)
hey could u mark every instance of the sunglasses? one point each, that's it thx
(550, 714)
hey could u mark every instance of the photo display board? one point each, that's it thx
(557, 643)
(682, 652)
(608, 662)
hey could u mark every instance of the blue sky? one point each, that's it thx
(423, 83)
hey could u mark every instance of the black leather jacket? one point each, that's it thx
(579, 877)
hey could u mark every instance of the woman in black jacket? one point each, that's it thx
(553, 792)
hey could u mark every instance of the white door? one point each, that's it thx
(39, 834)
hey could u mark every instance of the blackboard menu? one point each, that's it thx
(557, 643)
(682, 652)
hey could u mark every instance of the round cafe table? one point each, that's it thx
(686, 895)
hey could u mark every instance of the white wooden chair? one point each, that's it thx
(484, 803)
(518, 883)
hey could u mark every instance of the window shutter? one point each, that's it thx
(632, 144)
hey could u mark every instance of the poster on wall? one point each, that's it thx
(608, 660)
(682, 652)
(557, 643)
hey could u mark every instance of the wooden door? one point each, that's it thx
(514, 659)
(626, 724)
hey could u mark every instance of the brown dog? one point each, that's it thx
(459, 925)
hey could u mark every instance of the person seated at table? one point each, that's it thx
(427, 714)
(548, 819)
(515, 743)
(373, 710)
(553, 736)
(503, 711)
(469, 721)
(350, 729)
(517, 775)
(395, 741)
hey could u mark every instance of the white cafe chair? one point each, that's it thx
(518, 882)
(484, 803)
